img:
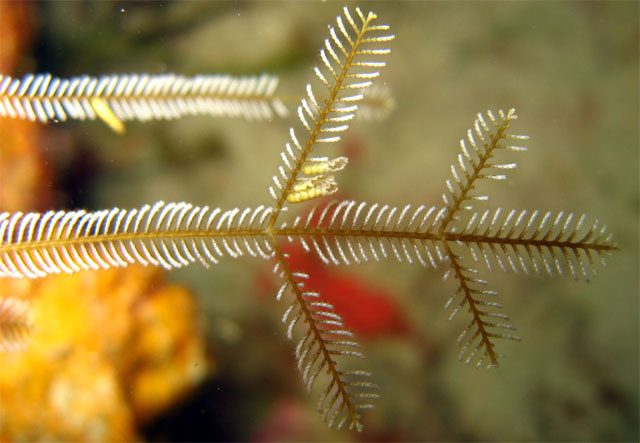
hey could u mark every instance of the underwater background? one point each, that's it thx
(197, 354)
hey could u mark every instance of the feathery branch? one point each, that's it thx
(350, 64)
(476, 340)
(117, 98)
(324, 338)
(169, 235)
(475, 159)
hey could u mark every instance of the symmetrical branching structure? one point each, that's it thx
(340, 232)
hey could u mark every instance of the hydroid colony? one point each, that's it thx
(339, 232)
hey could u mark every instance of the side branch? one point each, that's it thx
(323, 338)
(467, 299)
(348, 72)
(474, 160)
(476, 340)
(329, 105)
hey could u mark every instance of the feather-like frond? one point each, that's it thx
(117, 98)
(169, 235)
(518, 241)
(476, 161)
(323, 339)
(487, 323)
(350, 61)
(15, 324)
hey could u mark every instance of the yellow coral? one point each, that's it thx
(120, 336)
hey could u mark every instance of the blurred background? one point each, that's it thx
(200, 354)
